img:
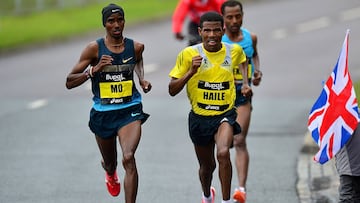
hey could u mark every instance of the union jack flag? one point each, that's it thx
(334, 116)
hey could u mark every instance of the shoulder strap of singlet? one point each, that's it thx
(228, 53)
(199, 48)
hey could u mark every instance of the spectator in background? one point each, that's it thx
(192, 9)
(347, 162)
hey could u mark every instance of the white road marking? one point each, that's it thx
(279, 34)
(350, 14)
(149, 68)
(37, 104)
(318, 23)
(313, 25)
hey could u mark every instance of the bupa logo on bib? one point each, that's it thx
(114, 77)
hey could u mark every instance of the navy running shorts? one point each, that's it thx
(106, 124)
(202, 129)
(240, 98)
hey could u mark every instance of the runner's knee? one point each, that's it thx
(240, 142)
(129, 160)
(223, 155)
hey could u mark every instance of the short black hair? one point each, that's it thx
(212, 17)
(230, 3)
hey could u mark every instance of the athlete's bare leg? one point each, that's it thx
(223, 140)
(108, 152)
(129, 138)
(242, 154)
(207, 165)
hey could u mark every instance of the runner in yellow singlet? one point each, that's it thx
(207, 71)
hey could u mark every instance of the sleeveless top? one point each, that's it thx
(114, 88)
(247, 45)
(211, 90)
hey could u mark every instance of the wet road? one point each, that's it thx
(48, 154)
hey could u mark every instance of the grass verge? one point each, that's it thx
(17, 31)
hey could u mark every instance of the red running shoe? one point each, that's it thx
(239, 196)
(112, 184)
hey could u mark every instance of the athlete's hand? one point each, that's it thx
(105, 60)
(179, 36)
(257, 77)
(145, 85)
(246, 91)
(196, 63)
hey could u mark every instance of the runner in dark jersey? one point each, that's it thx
(110, 63)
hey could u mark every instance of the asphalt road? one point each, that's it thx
(48, 154)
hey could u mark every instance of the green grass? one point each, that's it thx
(17, 31)
(357, 90)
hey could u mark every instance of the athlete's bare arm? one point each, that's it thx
(139, 67)
(177, 84)
(78, 75)
(245, 89)
(257, 72)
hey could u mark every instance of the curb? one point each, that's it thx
(316, 183)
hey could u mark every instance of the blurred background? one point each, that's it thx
(24, 22)
(48, 154)
(21, 7)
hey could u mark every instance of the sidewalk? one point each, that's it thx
(316, 183)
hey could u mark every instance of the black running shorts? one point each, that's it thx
(202, 129)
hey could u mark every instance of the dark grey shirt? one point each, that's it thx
(347, 160)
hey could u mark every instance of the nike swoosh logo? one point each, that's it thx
(224, 120)
(115, 10)
(135, 114)
(126, 60)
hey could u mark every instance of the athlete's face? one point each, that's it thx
(115, 25)
(233, 18)
(211, 34)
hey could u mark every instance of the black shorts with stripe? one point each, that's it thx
(202, 129)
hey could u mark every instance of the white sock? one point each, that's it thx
(242, 189)
(207, 199)
(226, 201)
